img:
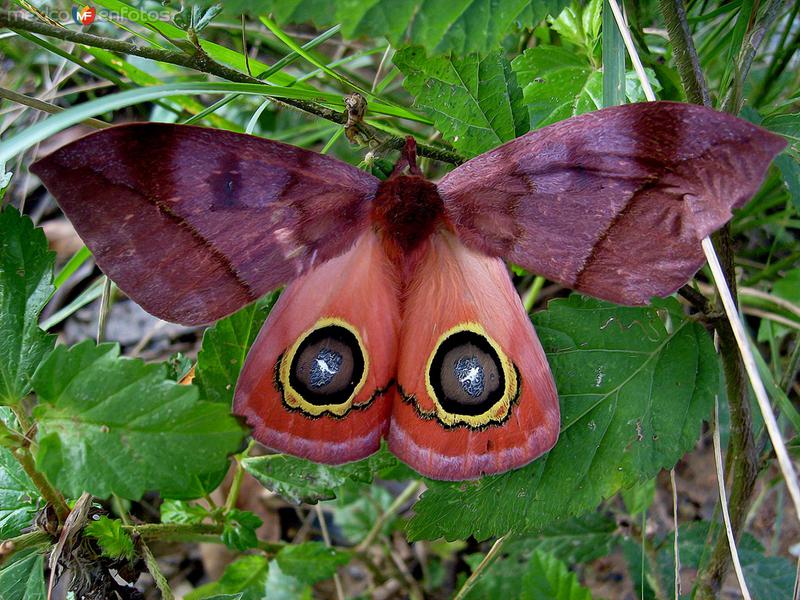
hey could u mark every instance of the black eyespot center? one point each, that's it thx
(466, 374)
(327, 366)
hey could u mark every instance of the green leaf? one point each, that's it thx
(549, 579)
(359, 508)
(553, 80)
(19, 498)
(581, 25)
(178, 366)
(23, 579)
(5, 181)
(634, 91)
(577, 540)
(767, 576)
(246, 577)
(788, 126)
(638, 498)
(114, 541)
(311, 562)
(299, 480)
(443, 26)
(179, 511)
(633, 396)
(558, 83)
(239, 530)
(285, 587)
(115, 425)
(26, 283)
(790, 171)
(224, 348)
(474, 101)
(385, 465)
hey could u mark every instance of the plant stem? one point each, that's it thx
(742, 457)
(193, 532)
(741, 460)
(649, 556)
(51, 495)
(236, 484)
(158, 576)
(487, 560)
(200, 61)
(752, 40)
(398, 503)
(33, 539)
(684, 51)
(723, 503)
(10, 438)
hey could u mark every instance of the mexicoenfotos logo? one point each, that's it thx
(83, 16)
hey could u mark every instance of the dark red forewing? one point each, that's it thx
(193, 223)
(613, 203)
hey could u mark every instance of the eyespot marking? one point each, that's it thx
(470, 379)
(324, 370)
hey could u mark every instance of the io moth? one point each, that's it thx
(399, 319)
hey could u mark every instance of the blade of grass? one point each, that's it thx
(45, 107)
(76, 114)
(265, 75)
(227, 56)
(93, 292)
(613, 60)
(744, 21)
(295, 47)
(74, 263)
(281, 35)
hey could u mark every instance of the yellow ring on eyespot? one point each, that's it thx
(498, 412)
(294, 399)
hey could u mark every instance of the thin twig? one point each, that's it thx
(487, 560)
(398, 503)
(323, 526)
(200, 61)
(675, 539)
(723, 500)
(770, 316)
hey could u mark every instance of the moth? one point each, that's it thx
(399, 319)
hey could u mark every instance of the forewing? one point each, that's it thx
(193, 223)
(613, 203)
